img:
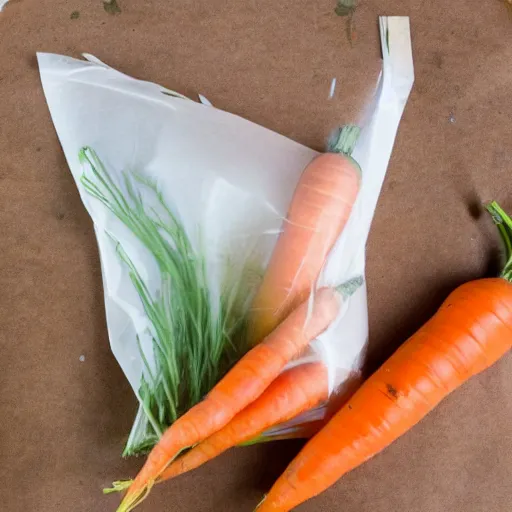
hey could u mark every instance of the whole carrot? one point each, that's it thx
(294, 391)
(244, 383)
(319, 210)
(470, 332)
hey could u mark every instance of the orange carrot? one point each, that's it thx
(246, 381)
(294, 391)
(311, 426)
(319, 210)
(470, 332)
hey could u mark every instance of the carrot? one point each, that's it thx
(311, 425)
(318, 212)
(294, 391)
(470, 332)
(246, 381)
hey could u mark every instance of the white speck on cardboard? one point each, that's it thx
(333, 88)
(81, 358)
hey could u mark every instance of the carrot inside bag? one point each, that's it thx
(319, 211)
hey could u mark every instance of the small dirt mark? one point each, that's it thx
(438, 60)
(111, 6)
(347, 9)
(392, 391)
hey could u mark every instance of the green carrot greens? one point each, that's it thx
(504, 225)
(196, 336)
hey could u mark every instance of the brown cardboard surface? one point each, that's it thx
(63, 421)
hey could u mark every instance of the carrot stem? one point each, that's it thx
(504, 224)
(345, 140)
(119, 486)
(348, 288)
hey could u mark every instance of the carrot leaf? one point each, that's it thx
(196, 335)
(504, 224)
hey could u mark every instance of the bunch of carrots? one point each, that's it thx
(471, 331)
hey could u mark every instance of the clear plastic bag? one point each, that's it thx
(188, 202)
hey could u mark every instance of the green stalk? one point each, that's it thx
(195, 341)
(504, 224)
(348, 288)
(344, 142)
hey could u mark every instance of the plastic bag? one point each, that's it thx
(187, 203)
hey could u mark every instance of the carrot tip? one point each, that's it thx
(130, 501)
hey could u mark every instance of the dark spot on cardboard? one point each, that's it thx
(38, 149)
(475, 209)
(111, 6)
(438, 60)
(75, 15)
(60, 215)
(345, 7)
(500, 158)
(392, 391)
(32, 62)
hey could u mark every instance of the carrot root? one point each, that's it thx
(134, 500)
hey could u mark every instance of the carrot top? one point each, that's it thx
(504, 224)
(344, 141)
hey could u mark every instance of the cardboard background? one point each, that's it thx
(63, 421)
